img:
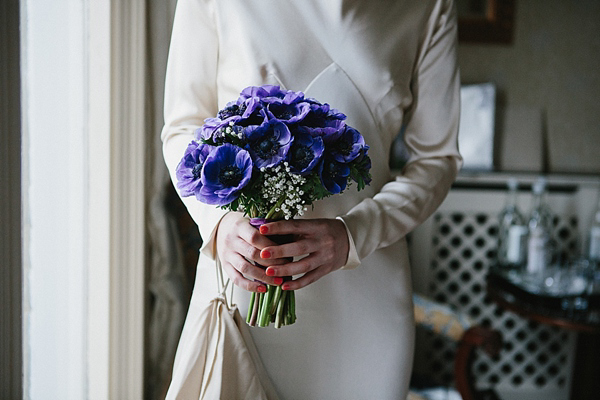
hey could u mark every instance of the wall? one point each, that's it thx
(550, 74)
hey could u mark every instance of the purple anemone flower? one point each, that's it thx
(334, 175)
(268, 143)
(330, 131)
(322, 115)
(213, 128)
(347, 146)
(262, 92)
(305, 153)
(289, 113)
(232, 111)
(269, 94)
(189, 169)
(291, 97)
(254, 112)
(227, 170)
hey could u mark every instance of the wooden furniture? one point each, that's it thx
(575, 313)
(446, 321)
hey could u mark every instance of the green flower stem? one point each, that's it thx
(277, 299)
(280, 318)
(265, 315)
(287, 310)
(261, 299)
(255, 308)
(250, 308)
(292, 307)
(272, 211)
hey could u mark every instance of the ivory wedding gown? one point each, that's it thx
(388, 65)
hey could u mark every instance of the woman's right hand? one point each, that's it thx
(237, 243)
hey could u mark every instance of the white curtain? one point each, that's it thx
(169, 269)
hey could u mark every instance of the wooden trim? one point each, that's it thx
(128, 149)
(488, 340)
(116, 281)
(496, 27)
(11, 353)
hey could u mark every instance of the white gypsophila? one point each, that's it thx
(230, 129)
(282, 189)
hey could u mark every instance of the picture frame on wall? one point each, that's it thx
(477, 126)
(486, 21)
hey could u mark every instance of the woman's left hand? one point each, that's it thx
(324, 241)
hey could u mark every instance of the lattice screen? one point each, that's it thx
(534, 356)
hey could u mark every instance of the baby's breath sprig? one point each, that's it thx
(230, 133)
(283, 191)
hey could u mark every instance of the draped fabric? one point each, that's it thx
(169, 262)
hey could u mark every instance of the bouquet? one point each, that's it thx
(271, 154)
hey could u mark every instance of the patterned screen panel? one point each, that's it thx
(535, 357)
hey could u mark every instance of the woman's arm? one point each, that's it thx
(402, 204)
(190, 97)
(431, 136)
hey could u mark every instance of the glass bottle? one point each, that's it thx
(540, 228)
(594, 236)
(512, 232)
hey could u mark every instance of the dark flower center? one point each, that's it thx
(331, 169)
(230, 176)
(254, 119)
(196, 171)
(343, 147)
(284, 112)
(302, 156)
(267, 147)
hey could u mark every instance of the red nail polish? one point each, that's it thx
(286, 286)
(265, 253)
(270, 271)
(262, 289)
(263, 229)
(278, 280)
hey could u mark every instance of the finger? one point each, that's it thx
(239, 245)
(239, 280)
(253, 236)
(304, 280)
(302, 266)
(294, 249)
(292, 226)
(252, 271)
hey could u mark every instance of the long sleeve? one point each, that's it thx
(190, 97)
(431, 138)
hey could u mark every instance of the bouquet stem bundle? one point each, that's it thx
(276, 305)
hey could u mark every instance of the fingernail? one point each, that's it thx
(265, 253)
(263, 229)
(262, 289)
(278, 280)
(286, 286)
(270, 271)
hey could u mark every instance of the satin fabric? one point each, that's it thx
(220, 361)
(388, 65)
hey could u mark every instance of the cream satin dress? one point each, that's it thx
(385, 64)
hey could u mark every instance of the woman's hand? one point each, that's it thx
(238, 242)
(324, 240)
